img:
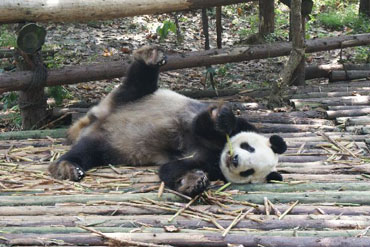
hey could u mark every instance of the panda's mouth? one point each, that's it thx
(232, 160)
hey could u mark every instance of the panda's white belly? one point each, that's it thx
(145, 130)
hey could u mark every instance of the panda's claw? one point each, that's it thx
(66, 170)
(151, 56)
(163, 61)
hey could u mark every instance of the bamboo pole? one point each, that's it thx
(114, 210)
(235, 231)
(355, 197)
(33, 134)
(345, 100)
(260, 222)
(199, 239)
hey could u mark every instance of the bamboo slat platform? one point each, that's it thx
(324, 200)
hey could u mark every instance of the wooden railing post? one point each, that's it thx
(32, 100)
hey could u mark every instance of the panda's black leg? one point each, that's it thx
(185, 176)
(142, 75)
(87, 153)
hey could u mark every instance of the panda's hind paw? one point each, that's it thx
(193, 183)
(65, 170)
(151, 56)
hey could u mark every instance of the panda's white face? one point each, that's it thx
(252, 159)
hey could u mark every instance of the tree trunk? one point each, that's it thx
(81, 10)
(219, 26)
(84, 73)
(266, 17)
(297, 23)
(365, 7)
(292, 72)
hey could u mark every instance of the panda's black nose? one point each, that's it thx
(235, 160)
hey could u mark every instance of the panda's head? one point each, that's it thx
(254, 158)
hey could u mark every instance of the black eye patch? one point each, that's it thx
(247, 147)
(247, 172)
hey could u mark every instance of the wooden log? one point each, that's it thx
(346, 107)
(269, 223)
(348, 113)
(325, 169)
(322, 177)
(355, 86)
(272, 127)
(363, 186)
(359, 129)
(33, 134)
(302, 159)
(346, 100)
(359, 120)
(348, 75)
(76, 74)
(79, 10)
(302, 117)
(113, 210)
(235, 231)
(327, 94)
(357, 197)
(179, 239)
(338, 137)
(323, 70)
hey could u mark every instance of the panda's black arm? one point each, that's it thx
(243, 125)
(211, 126)
(214, 129)
(141, 80)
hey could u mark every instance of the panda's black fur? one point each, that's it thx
(137, 123)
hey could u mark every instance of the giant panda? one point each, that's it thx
(139, 124)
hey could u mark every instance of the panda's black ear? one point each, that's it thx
(274, 176)
(278, 144)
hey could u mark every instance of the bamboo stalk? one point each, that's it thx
(209, 239)
(268, 223)
(235, 231)
(288, 210)
(33, 134)
(68, 210)
(357, 197)
(184, 208)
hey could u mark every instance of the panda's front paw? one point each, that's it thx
(150, 55)
(224, 118)
(65, 170)
(192, 183)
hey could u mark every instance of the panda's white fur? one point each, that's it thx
(263, 160)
